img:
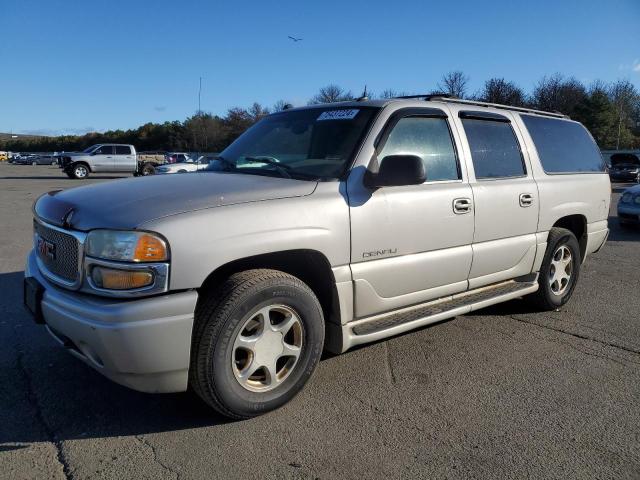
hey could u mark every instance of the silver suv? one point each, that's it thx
(322, 227)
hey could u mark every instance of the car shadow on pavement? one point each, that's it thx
(47, 394)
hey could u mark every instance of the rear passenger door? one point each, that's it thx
(123, 160)
(505, 197)
(102, 159)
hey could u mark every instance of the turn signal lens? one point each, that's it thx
(149, 249)
(113, 279)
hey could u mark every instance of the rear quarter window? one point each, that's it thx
(563, 146)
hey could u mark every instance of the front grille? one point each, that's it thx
(63, 261)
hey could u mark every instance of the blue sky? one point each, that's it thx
(70, 66)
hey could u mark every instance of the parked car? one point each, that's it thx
(104, 158)
(185, 166)
(624, 167)
(327, 226)
(35, 160)
(629, 206)
(176, 157)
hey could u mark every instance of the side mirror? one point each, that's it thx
(398, 170)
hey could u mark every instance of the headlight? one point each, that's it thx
(126, 246)
(636, 200)
(626, 198)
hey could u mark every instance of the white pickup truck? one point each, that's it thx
(104, 158)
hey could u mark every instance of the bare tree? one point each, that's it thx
(331, 94)
(499, 90)
(555, 93)
(626, 101)
(454, 83)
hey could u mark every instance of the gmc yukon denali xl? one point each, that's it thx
(323, 227)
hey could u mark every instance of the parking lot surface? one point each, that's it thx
(506, 392)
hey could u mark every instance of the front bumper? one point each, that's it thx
(144, 344)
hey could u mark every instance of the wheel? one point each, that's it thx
(182, 171)
(80, 171)
(34, 163)
(148, 169)
(559, 271)
(257, 340)
(54, 163)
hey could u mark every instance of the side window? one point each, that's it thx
(495, 151)
(430, 139)
(563, 146)
(105, 150)
(123, 150)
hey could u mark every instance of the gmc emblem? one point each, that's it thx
(46, 249)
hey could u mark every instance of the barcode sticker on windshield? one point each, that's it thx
(339, 114)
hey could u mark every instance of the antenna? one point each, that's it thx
(364, 95)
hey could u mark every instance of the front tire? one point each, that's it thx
(257, 340)
(559, 272)
(79, 171)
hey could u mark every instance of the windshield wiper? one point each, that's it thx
(282, 169)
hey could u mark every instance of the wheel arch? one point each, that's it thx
(576, 224)
(83, 162)
(310, 266)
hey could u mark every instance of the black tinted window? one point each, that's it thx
(123, 150)
(563, 147)
(429, 139)
(494, 149)
(105, 150)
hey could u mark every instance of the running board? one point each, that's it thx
(393, 323)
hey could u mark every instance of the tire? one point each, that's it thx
(34, 163)
(230, 315)
(79, 171)
(147, 169)
(54, 163)
(562, 246)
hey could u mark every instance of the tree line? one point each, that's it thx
(611, 111)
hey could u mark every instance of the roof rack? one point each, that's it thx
(447, 98)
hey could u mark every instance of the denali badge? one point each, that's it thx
(46, 249)
(380, 253)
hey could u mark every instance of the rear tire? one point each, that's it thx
(34, 163)
(559, 272)
(257, 339)
(147, 169)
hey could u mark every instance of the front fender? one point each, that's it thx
(205, 240)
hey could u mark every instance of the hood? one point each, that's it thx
(626, 159)
(128, 203)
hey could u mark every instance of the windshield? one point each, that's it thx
(313, 143)
(90, 149)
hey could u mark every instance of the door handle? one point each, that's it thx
(526, 200)
(462, 205)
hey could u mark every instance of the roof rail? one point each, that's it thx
(446, 98)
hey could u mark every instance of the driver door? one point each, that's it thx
(411, 244)
(102, 160)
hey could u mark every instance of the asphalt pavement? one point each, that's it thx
(505, 392)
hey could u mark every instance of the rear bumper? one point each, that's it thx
(143, 344)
